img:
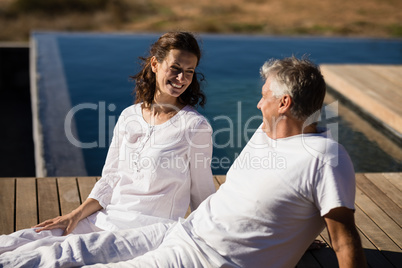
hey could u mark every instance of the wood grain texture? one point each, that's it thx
(26, 201)
(7, 203)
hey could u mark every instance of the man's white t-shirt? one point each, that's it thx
(270, 208)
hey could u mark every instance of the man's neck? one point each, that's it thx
(287, 127)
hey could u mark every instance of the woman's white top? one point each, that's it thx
(153, 172)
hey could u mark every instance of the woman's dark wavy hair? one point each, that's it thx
(145, 80)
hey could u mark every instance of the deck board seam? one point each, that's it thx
(379, 227)
(374, 200)
(79, 190)
(379, 207)
(37, 201)
(15, 203)
(58, 195)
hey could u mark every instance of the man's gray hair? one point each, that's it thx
(301, 79)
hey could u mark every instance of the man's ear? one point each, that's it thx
(154, 64)
(285, 103)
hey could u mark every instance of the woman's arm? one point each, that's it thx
(103, 189)
(200, 155)
(101, 193)
(69, 221)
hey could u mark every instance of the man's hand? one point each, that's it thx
(344, 237)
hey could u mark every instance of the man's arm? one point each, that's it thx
(344, 237)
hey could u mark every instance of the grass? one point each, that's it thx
(56, 6)
(395, 30)
(371, 18)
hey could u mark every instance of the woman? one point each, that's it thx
(159, 159)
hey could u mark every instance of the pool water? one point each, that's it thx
(96, 68)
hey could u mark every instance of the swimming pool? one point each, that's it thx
(82, 80)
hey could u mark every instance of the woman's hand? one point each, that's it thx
(69, 221)
(66, 222)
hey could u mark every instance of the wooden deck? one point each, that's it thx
(375, 89)
(27, 201)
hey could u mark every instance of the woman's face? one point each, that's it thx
(175, 73)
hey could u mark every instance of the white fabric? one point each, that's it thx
(97, 247)
(266, 214)
(153, 173)
(28, 239)
(270, 208)
(139, 247)
(177, 250)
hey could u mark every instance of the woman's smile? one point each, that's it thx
(175, 73)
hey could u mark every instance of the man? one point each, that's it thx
(289, 181)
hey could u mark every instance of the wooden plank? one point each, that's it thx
(68, 194)
(320, 237)
(389, 255)
(216, 183)
(48, 199)
(26, 206)
(394, 257)
(85, 185)
(373, 238)
(308, 261)
(379, 198)
(325, 237)
(392, 73)
(340, 75)
(188, 212)
(373, 256)
(380, 218)
(344, 81)
(371, 78)
(221, 179)
(7, 203)
(372, 133)
(369, 82)
(386, 187)
(326, 257)
(376, 217)
(395, 179)
(379, 239)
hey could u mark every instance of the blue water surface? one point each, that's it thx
(97, 69)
